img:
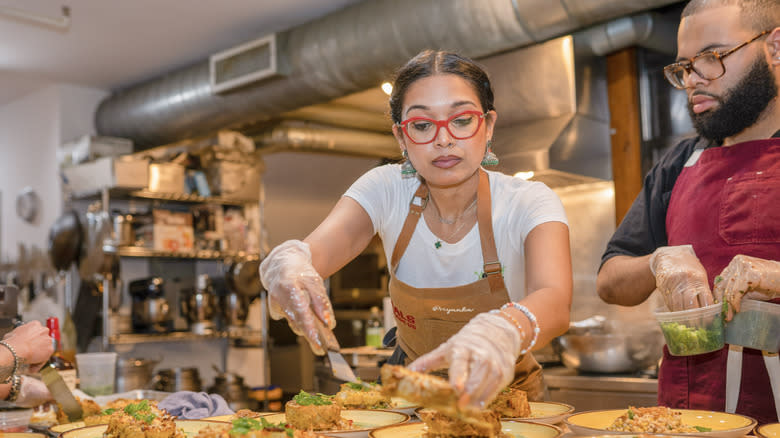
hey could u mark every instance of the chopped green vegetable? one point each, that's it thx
(630, 414)
(703, 429)
(108, 411)
(685, 341)
(242, 426)
(140, 411)
(718, 279)
(358, 386)
(303, 398)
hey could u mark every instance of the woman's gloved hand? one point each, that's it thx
(32, 392)
(480, 357)
(747, 277)
(296, 292)
(32, 343)
(680, 277)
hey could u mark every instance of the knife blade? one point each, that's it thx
(341, 369)
(61, 393)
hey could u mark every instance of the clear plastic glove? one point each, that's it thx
(32, 392)
(296, 292)
(32, 344)
(680, 277)
(747, 277)
(480, 357)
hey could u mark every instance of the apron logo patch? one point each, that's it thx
(449, 310)
(407, 320)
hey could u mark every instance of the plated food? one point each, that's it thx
(359, 396)
(188, 428)
(509, 428)
(247, 427)
(361, 421)
(705, 423)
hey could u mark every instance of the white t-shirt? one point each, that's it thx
(517, 207)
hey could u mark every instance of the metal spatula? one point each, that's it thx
(340, 367)
(61, 393)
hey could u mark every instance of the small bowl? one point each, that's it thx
(15, 420)
(756, 325)
(694, 331)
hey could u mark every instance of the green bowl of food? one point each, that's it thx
(693, 331)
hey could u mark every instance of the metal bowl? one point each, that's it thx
(611, 353)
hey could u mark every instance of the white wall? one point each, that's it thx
(31, 129)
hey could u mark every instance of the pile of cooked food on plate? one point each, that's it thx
(657, 419)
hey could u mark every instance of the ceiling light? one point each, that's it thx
(524, 175)
(387, 87)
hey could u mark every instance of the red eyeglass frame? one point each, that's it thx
(443, 124)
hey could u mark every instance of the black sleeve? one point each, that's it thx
(643, 229)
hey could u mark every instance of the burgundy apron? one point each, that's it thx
(427, 317)
(726, 203)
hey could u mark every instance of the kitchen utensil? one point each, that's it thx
(177, 379)
(234, 309)
(134, 373)
(61, 394)
(199, 306)
(98, 231)
(97, 372)
(611, 352)
(245, 278)
(232, 388)
(340, 367)
(150, 310)
(65, 240)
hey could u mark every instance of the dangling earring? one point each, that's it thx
(490, 159)
(407, 170)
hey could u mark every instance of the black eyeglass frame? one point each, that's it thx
(688, 64)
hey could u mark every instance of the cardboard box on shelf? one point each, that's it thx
(107, 172)
(173, 231)
(166, 178)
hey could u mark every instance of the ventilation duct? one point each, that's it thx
(348, 51)
(297, 136)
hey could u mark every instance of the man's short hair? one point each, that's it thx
(757, 15)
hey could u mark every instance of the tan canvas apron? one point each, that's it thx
(426, 317)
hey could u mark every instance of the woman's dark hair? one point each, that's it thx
(433, 62)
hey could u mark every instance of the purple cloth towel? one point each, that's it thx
(195, 405)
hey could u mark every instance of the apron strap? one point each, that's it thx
(416, 206)
(492, 266)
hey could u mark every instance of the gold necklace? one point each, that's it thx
(438, 242)
(457, 218)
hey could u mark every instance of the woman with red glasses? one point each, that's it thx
(480, 262)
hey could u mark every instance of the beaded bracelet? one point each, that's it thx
(531, 317)
(16, 361)
(513, 321)
(16, 387)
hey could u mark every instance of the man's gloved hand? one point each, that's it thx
(481, 358)
(747, 277)
(32, 344)
(296, 292)
(680, 277)
(32, 392)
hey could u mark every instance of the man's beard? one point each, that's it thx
(739, 107)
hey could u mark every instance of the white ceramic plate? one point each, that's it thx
(402, 406)
(547, 412)
(771, 430)
(60, 428)
(190, 428)
(363, 420)
(515, 429)
(723, 425)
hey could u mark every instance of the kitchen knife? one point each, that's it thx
(341, 369)
(61, 393)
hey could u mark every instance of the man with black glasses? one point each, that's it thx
(706, 227)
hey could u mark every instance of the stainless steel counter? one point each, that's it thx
(590, 391)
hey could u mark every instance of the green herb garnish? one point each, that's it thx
(718, 279)
(703, 429)
(303, 398)
(357, 386)
(108, 411)
(242, 426)
(140, 411)
(630, 414)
